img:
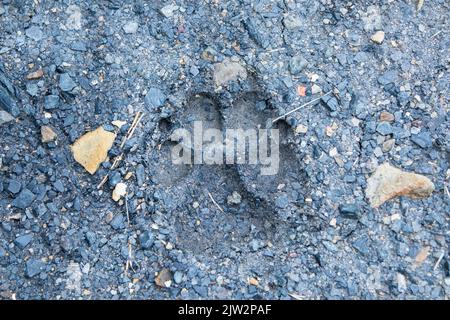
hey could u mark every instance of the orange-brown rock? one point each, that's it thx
(35, 75)
(386, 116)
(388, 182)
(422, 255)
(91, 149)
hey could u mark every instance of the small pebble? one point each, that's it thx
(130, 27)
(378, 37)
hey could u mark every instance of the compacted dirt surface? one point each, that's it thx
(223, 231)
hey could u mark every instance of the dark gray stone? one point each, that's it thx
(384, 128)
(51, 102)
(178, 277)
(32, 89)
(5, 117)
(255, 33)
(389, 76)
(14, 186)
(6, 226)
(23, 240)
(77, 204)
(297, 64)
(349, 211)
(91, 238)
(118, 222)
(59, 186)
(114, 178)
(255, 245)
(201, 290)
(8, 97)
(78, 46)
(34, 267)
(146, 239)
(330, 102)
(140, 175)
(154, 98)
(24, 199)
(34, 33)
(66, 83)
(423, 140)
(292, 21)
(2, 252)
(282, 201)
(361, 245)
(194, 71)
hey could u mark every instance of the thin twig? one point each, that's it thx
(129, 263)
(296, 296)
(130, 132)
(303, 105)
(126, 209)
(439, 260)
(113, 166)
(134, 128)
(436, 34)
(276, 49)
(214, 201)
(117, 161)
(100, 185)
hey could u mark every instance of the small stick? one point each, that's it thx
(303, 105)
(276, 49)
(133, 123)
(133, 126)
(296, 296)
(439, 260)
(136, 120)
(434, 35)
(100, 185)
(117, 161)
(113, 166)
(129, 263)
(126, 209)
(214, 201)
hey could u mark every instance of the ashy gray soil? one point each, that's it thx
(223, 231)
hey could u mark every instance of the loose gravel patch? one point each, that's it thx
(140, 70)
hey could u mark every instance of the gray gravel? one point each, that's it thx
(315, 237)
